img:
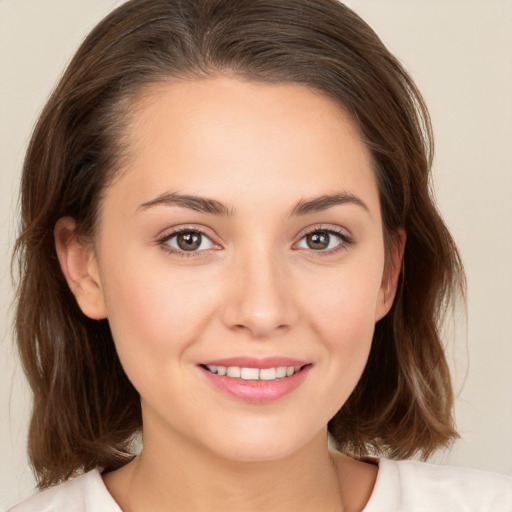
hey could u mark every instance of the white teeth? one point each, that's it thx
(268, 374)
(254, 373)
(281, 372)
(249, 373)
(233, 371)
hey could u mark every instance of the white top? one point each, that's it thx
(405, 486)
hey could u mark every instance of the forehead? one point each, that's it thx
(232, 138)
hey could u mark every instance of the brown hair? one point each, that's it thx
(85, 410)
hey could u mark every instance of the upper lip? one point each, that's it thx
(256, 362)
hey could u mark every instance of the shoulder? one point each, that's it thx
(420, 487)
(85, 493)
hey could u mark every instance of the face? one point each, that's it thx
(240, 262)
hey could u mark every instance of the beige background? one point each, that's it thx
(459, 52)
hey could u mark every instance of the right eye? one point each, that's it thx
(320, 240)
(187, 240)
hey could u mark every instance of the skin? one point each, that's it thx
(255, 287)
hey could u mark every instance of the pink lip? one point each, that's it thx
(256, 391)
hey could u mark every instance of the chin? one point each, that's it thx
(262, 444)
(256, 452)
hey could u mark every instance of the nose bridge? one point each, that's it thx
(260, 297)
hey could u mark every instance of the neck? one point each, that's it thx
(189, 478)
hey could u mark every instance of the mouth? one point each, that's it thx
(256, 381)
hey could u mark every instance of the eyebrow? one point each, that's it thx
(212, 206)
(324, 202)
(199, 204)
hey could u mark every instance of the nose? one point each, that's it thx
(259, 296)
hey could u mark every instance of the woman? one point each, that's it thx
(228, 244)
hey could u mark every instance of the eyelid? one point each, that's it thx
(333, 228)
(344, 235)
(166, 235)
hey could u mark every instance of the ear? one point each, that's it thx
(390, 275)
(79, 266)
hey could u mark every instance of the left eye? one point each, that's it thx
(320, 240)
(189, 241)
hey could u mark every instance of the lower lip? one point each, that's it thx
(257, 391)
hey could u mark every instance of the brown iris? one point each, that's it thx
(318, 240)
(189, 240)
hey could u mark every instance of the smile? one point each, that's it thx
(256, 380)
(236, 372)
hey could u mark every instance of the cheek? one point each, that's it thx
(344, 302)
(154, 315)
(343, 316)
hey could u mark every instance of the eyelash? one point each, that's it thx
(345, 241)
(162, 242)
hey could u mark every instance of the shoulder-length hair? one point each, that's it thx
(85, 410)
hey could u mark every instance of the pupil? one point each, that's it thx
(318, 240)
(189, 241)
